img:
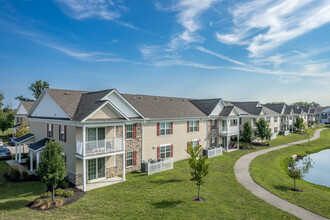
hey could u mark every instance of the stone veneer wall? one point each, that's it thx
(131, 145)
(76, 179)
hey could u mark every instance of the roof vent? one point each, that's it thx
(164, 99)
(66, 93)
(171, 99)
(134, 97)
(183, 100)
(155, 98)
(140, 97)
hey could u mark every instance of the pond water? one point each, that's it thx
(320, 172)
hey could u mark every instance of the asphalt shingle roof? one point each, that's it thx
(249, 107)
(226, 111)
(24, 137)
(39, 144)
(275, 107)
(27, 105)
(205, 105)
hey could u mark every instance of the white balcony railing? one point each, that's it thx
(288, 122)
(311, 118)
(209, 153)
(231, 130)
(99, 147)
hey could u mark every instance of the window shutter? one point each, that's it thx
(188, 126)
(211, 125)
(52, 130)
(125, 133)
(210, 142)
(134, 131)
(197, 125)
(47, 129)
(158, 127)
(198, 142)
(158, 152)
(171, 127)
(171, 150)
(59, 132)
(134, 158)
(188, 146)
(216, 124)
(64, 133)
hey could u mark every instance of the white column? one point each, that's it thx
(84, 140)
(124, 168)
(238, 142)
(19, 154)
(16, 151)
(227, 126)
(227, 140)
(31, 160)
(84, 174)
(114, 131)
(124, 159)
(38, 157)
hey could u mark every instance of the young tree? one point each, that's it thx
(294, 172)
(200, 171)
(22, 130)
(193, 153)
(51, 169)
(247, 133)
(307, 132)
(299, 123)
(263, 131)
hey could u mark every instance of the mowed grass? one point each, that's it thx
(270, 171)
(166, 195)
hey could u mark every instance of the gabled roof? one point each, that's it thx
(288, 111)
(37, 146)
(249, 107)
(206, 105)
(27, 105)
(296, 109)
(163, 107)
(226, 111)
(319, 109)
(275, 107)
(24, 138)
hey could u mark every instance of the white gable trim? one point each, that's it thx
(235, 110)
(41, 97)
(111, 105)
(217, 109)
(124, 100)
(19, 108)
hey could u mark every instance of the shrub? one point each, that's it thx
(68, 193)
(46, 204)
(37, 203)
(63, 184)
(59, 192)
(14, 173)
(25, 175)
(46, 195)
(59, 202)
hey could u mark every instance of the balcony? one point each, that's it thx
(288, 122)
(93, 148)
(231, 130)
(311, 119)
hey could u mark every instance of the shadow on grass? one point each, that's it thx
(14, 204)
(282, 187)
(165, 181)
(166, 204)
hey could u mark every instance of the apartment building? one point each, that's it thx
(321, 114)
(20, 115)
(286, 117)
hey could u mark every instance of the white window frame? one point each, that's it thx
(165, 147)
(62, 133)
(164, 128)
(269, 119)
(129, 159)
(49, 130)
(129, 132)
(275, 118)
(193, 126)
(275, 129)
(213, 122)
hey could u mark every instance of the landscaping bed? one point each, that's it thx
(66, 197)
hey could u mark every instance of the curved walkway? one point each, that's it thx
(243, 176)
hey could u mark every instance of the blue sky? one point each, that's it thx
(238, 50)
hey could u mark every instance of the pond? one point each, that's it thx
(319, 173)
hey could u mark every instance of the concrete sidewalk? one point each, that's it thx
(243, 176)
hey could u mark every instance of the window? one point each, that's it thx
(275, 118)
(213, 142)
(165, 151)
(17, 120)
(95, 134)
(275, 129)
(213, 124)
(129, 159)
(50, 130)
(268, 119)
(62, 129)
(234, 122)
(240, 121)
(193, 126)
(165, 128)
(129, 131)
(195, 143)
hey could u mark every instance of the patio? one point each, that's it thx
(102, 183)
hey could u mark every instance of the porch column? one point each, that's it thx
(124, 158)
(19, 154)
(238, 142)
(227, 126)
(84, 140)
(38, 157)
(16, 151)
(227, 140)
(84, 174)
(31, 160)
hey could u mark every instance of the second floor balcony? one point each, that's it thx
(106, 146)
(311, 118)
(230, 130)
(288, 122)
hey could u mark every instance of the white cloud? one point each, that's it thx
(264, 25)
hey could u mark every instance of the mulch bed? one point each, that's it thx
(75, 197)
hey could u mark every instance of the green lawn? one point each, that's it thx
(166, 195)
(4, 136)
(269, 170)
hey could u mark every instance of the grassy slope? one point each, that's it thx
(164, 195)
(269, 170)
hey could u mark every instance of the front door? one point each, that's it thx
(96, 169)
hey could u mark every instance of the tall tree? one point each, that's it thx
(299, 123)
(6, 120)
(263, 130)
(1, 99)
(51, 169)
(37, 87)
(247, 133)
